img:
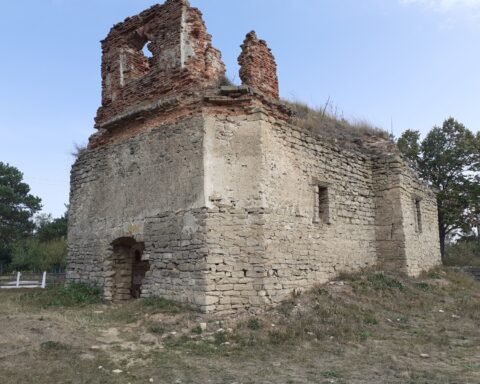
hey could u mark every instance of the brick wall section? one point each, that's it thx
(183, 58)
(257, 66)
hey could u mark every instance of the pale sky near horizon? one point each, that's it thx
(406, 63)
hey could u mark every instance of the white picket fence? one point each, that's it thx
(19, 283)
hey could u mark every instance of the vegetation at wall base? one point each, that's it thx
(71, 295)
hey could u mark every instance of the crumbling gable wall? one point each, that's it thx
(182, 58)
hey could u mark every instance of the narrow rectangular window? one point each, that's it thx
(321, 206)
(418, 216)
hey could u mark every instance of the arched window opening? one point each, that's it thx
(146, 50)
(138, 57)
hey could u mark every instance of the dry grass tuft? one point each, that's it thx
(324, 123)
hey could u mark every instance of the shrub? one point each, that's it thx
(382, 282)
(370, 319)
(330, 374)
(434, 275)
(220, 337)
(280, 337)
(54, 346)
(254, 324)
(65, 296)
(35, 255)
(160, 304)
(157, 329)
(422, 286)
(463, 253)
(364, 335)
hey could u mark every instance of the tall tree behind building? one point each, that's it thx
(17, 207)
(449, 160)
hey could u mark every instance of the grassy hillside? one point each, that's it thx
(365, 328)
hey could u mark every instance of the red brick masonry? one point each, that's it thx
(179, 77)
(257, 66)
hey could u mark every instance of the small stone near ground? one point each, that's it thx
(87, 356)
(149, 339)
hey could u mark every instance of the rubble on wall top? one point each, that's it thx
(182, 60)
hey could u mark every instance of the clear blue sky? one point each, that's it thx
(413, 62)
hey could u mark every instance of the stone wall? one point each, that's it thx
(240, 210)
(264, 240)
(420, 225)
(138, 189)
(406, 218)
(323, 211)
(265, 237)
(390, 237)
(234, 188)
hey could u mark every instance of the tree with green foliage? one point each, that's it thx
(449, 160)
(34, 255)
(48, 228)
(46, 249)
(17, 207)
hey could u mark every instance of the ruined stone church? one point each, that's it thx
(211, 194)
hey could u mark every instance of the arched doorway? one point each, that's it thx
(129, 267)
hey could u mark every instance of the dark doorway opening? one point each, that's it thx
(130, 268)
